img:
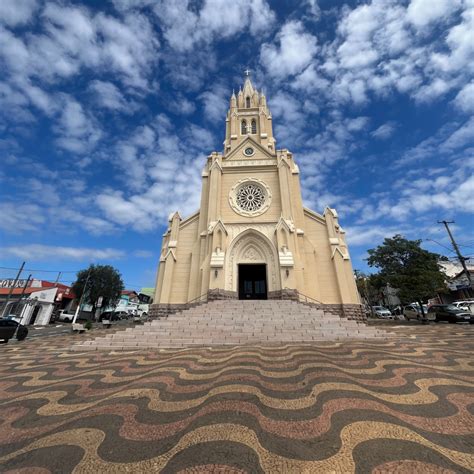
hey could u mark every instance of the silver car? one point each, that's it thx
(382, 312)
(465, 305)
(413, 311)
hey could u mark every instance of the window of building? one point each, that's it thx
(254, 126)
(247, 102)
(243, 127)
(250, 197)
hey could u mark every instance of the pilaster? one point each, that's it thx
(284, 178)
(215, 179)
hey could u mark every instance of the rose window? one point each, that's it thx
(250, 197)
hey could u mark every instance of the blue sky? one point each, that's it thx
(108, 110)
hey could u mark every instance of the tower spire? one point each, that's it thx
(248, 117)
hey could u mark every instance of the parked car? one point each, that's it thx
(122, 315)
(65, 317)
(108, 316)
(451, 314)
(465, 305)
(413, 311)
(12, 316)
(8, 328)
(382, 312)
(468, 307)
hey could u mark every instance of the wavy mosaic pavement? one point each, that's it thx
(403, 405)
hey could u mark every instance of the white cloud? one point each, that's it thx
(183, 106)
(215, 102)
(46, 252)
(84, 222)
(378, 50)
(238, 14)
(290, 119)
(421, 193)
(17, 12)
(365, 235)
(168, 174)
(313, 8)
(294, 53)
(449, 139)
(184, 26)
(143, 253)
(77, 130)
(384, 131)
(13, 217)
(72, 38)
(423, 12)
(109, 96)
(465, 98)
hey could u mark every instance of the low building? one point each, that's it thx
(35, 301)
(457, 282)
(128, 302)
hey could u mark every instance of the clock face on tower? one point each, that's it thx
(249, 151)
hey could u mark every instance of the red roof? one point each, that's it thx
(129, 292)
(63, 290)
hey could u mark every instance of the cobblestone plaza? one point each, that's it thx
(397, 405)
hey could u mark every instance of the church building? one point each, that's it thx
(252, 237)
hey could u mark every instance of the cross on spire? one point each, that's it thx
(247, 72)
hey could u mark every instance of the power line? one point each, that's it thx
(40, 271)
(436, 242)
(467, 246)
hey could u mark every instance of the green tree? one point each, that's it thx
(404, 265)
(370, 288)
(98, 281)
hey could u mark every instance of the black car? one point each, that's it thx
(451, 314)
(109, 316)
(122, 314)
(8, 328)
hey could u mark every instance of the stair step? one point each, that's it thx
(233, 322)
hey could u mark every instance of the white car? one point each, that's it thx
(65, 317)
(382, 312)
(467, 305)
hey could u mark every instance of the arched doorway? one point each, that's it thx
(252, 266)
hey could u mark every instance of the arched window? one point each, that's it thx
(243, 127)
(254, 126)
(247, 102)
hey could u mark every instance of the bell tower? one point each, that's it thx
(248, 115)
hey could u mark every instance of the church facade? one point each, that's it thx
(252, 237)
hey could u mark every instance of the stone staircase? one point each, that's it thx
(234, 322)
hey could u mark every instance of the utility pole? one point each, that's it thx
(12, 288)
(25, 286)
(462, 259)
(82, 297)
(21, 298)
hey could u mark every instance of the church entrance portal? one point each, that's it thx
(252, 282)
